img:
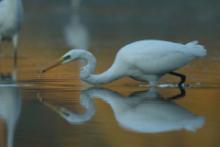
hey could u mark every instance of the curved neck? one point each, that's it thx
(87, 71)
(90, 63)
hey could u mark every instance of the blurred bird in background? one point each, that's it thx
(76, 34)
(11, 12)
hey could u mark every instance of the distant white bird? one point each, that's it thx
(10, 105)
(145, 60)
(10, 21)
(76, 34)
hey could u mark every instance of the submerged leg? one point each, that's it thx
(14, 68)
(182, 77)
(181, 94)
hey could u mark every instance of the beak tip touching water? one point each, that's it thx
(43, 71)
(55, 64)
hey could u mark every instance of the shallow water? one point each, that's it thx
(57, 109)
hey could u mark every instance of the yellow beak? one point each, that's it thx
(53, 65)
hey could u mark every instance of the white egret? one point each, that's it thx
(10, 21)
(145, 60)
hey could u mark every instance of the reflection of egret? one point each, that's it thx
(144, 112)
(72, 117)
(145, 60)
(10, 21)
(10, 106)
(75, 32)
(147, 112)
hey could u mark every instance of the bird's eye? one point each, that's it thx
(66, 57)
(66, 114)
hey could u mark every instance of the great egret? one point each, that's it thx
(145, 60)
(10, 21)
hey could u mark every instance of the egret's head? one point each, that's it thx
(66, 58)
(72, 55)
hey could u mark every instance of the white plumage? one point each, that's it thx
(157, 56)
(145, 60)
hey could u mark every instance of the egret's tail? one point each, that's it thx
(196, 49)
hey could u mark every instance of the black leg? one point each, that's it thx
(181, 94)
(182, 77)
(15, 59)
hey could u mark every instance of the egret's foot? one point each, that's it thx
(172, 85)
(168, 85)
(183, 85)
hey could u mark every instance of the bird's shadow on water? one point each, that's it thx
(143, 112)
